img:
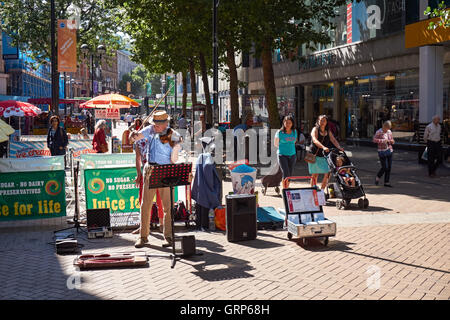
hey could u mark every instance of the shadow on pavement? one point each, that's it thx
(218, 267)
(354, 207)
(315, 245)
(33, 264)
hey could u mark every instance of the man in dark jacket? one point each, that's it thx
(207, 186)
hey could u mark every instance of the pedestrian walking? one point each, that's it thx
(88, 120)
(182, 122)
(99, 142)
(57, 139)
(322, 140)
(84, 134)
(384, 139)
(285, 140)
(432, 137)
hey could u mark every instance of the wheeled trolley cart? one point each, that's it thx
(305, 218)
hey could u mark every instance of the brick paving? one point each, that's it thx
(396, 249)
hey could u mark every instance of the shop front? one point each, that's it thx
(361, 104)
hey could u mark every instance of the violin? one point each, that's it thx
(166, 137)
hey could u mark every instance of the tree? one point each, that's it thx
(169, 36)
(138, 78)
(286, 25)
(28, 24)
(443, 15)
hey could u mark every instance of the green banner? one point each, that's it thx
(32, 195)
(148, 89)
(98, 161)
(112, 188)
(171, 84)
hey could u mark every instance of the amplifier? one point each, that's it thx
(185, 246)
(104, 232)
(241, 218)
(67, 245)
(97, 218)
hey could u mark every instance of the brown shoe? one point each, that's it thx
(168, 242)
(140, 242)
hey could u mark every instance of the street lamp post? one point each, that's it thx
(215, 62)
(101, 50)
(175, 92)
(53, 49)
(163, 90)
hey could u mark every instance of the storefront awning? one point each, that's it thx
(49, 101)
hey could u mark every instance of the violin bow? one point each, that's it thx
(159, 102)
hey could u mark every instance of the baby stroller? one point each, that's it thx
(272, 180)
(340, 189)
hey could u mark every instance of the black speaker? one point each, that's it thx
(185, 246)
(97, 218)
(241, 217)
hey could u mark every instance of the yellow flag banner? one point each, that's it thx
(67, 47)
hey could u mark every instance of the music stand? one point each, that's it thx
(170, 175)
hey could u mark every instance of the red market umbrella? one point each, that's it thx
(112, 100)
(18, 108)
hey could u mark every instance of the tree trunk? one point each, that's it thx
(234, 96)
(193, 83)
(269, 86)
(184, 99)
(208, 116)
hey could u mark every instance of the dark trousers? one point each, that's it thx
(287, 164)
(434, 156)
(202, 218)
(386, 164)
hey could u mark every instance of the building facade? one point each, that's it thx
(124, 63)
(3, 75)
(95, 76)
(367, 75)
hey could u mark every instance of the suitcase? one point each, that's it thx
(269, 218)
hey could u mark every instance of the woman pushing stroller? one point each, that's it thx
(322, 140)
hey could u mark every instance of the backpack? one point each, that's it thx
(180, 212)
(154, 220)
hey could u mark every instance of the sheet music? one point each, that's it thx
(304, 200)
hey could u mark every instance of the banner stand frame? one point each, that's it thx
(76, 217)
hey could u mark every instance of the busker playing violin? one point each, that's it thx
(163, 148)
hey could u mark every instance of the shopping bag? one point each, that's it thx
(219, 218)
(310, 157)
(425, 154)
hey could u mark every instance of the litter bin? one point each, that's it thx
(243, 179)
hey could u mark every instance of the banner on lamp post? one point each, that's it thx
(67, 47)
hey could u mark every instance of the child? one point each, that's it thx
(345, 173)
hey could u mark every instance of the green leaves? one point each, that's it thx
(28, 23)
(441, 12)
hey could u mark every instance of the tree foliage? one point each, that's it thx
(28, 23)
(443, 15)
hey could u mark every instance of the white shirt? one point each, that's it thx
(432, 132)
